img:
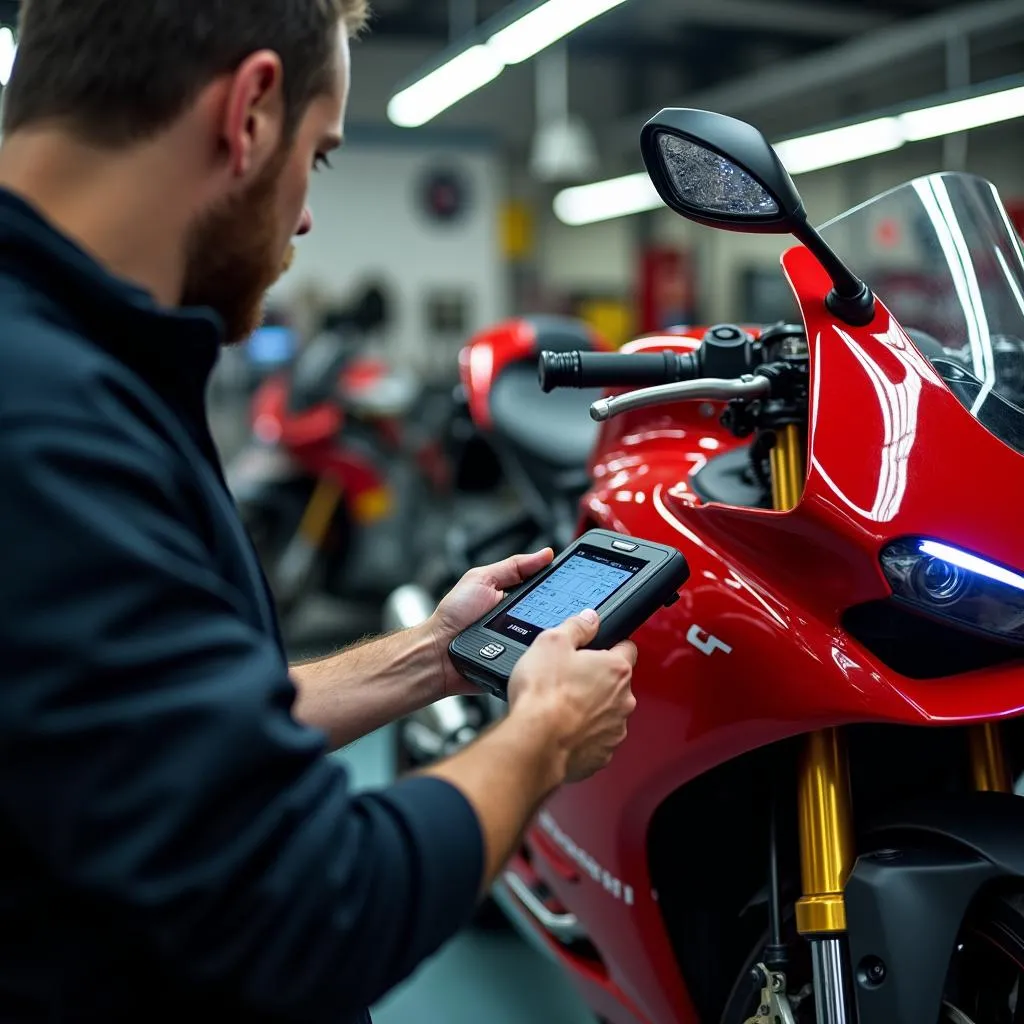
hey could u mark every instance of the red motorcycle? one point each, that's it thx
(813, 818)
(338, 473)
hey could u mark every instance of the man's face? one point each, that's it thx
(237, 250)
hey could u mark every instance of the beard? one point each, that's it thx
(232, 256)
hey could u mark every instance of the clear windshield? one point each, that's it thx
(940, 252)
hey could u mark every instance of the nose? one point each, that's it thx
(305, 223)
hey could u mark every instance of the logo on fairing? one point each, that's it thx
(612, 885)
(705, 642)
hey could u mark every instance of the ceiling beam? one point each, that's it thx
(830, 67)
(409, 24)
(785, 17)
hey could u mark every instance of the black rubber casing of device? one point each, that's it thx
(653, 587)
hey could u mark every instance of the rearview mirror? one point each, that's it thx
(719, 171)
(724, 173)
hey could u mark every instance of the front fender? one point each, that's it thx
(906, 900)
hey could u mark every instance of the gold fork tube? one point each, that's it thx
(826, 834)
(323, 503)
(787, 459)
(823, 786)
(988, 759)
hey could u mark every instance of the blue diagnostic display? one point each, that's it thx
(580, 583)
(586, 580)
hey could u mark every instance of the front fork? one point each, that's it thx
(825, 815)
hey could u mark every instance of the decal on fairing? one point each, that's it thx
(612, 885)
(705, 642)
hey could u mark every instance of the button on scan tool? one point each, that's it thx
(624, 545)
(492, 651)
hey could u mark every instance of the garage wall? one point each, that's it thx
(369, 224)
(593, 257)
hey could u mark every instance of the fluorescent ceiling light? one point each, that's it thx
(8, 51)
(545, 25)
(840, 145)
(621, 197)
(605, 200)
(480, 65)
(470, 70)
(949, 118)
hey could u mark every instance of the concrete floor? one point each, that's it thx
(480, 977)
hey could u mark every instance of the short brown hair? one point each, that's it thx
(118, 71)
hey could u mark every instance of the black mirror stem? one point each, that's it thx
(850, 299)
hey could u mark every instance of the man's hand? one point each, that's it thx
(477, 593)
(584, 696)
(567, 715)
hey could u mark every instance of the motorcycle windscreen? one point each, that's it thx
(942, 255)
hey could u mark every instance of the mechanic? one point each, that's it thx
(175, 842)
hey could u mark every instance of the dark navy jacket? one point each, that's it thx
(173, 844)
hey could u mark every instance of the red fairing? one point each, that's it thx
(363, 374)
(486, 355)
(354, 474)
(489, 352)
(312, 439)
(754, 651)
(272, 423)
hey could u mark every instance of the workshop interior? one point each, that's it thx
(723, 301)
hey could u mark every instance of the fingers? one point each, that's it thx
(580, 629)
(517, 569)
(628, 650)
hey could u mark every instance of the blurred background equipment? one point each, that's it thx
(492, 176)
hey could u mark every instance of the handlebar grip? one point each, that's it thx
(614, 369)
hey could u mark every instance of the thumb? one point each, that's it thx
(582, 628)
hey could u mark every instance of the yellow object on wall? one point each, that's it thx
(517, 230)
(613, 320)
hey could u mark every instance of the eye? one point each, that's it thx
(321, 162)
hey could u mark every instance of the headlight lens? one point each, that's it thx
(956, 585)
(939, 581)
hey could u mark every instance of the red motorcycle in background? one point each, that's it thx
(813, 817)
(340, 476)
(538, 444)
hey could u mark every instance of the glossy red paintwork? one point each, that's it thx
(487, 354)
(491, 350)
(888, 446)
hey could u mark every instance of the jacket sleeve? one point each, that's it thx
(150, 762)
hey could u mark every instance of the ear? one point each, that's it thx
(253, 119)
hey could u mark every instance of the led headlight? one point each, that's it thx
(952, 584)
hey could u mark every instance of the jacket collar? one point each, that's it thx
(173, 350)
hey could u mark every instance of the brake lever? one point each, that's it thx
(711, 389)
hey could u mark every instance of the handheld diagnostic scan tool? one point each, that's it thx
(624, 579)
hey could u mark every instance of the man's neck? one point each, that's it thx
(122, 208)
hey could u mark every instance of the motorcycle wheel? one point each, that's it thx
(985, 984)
